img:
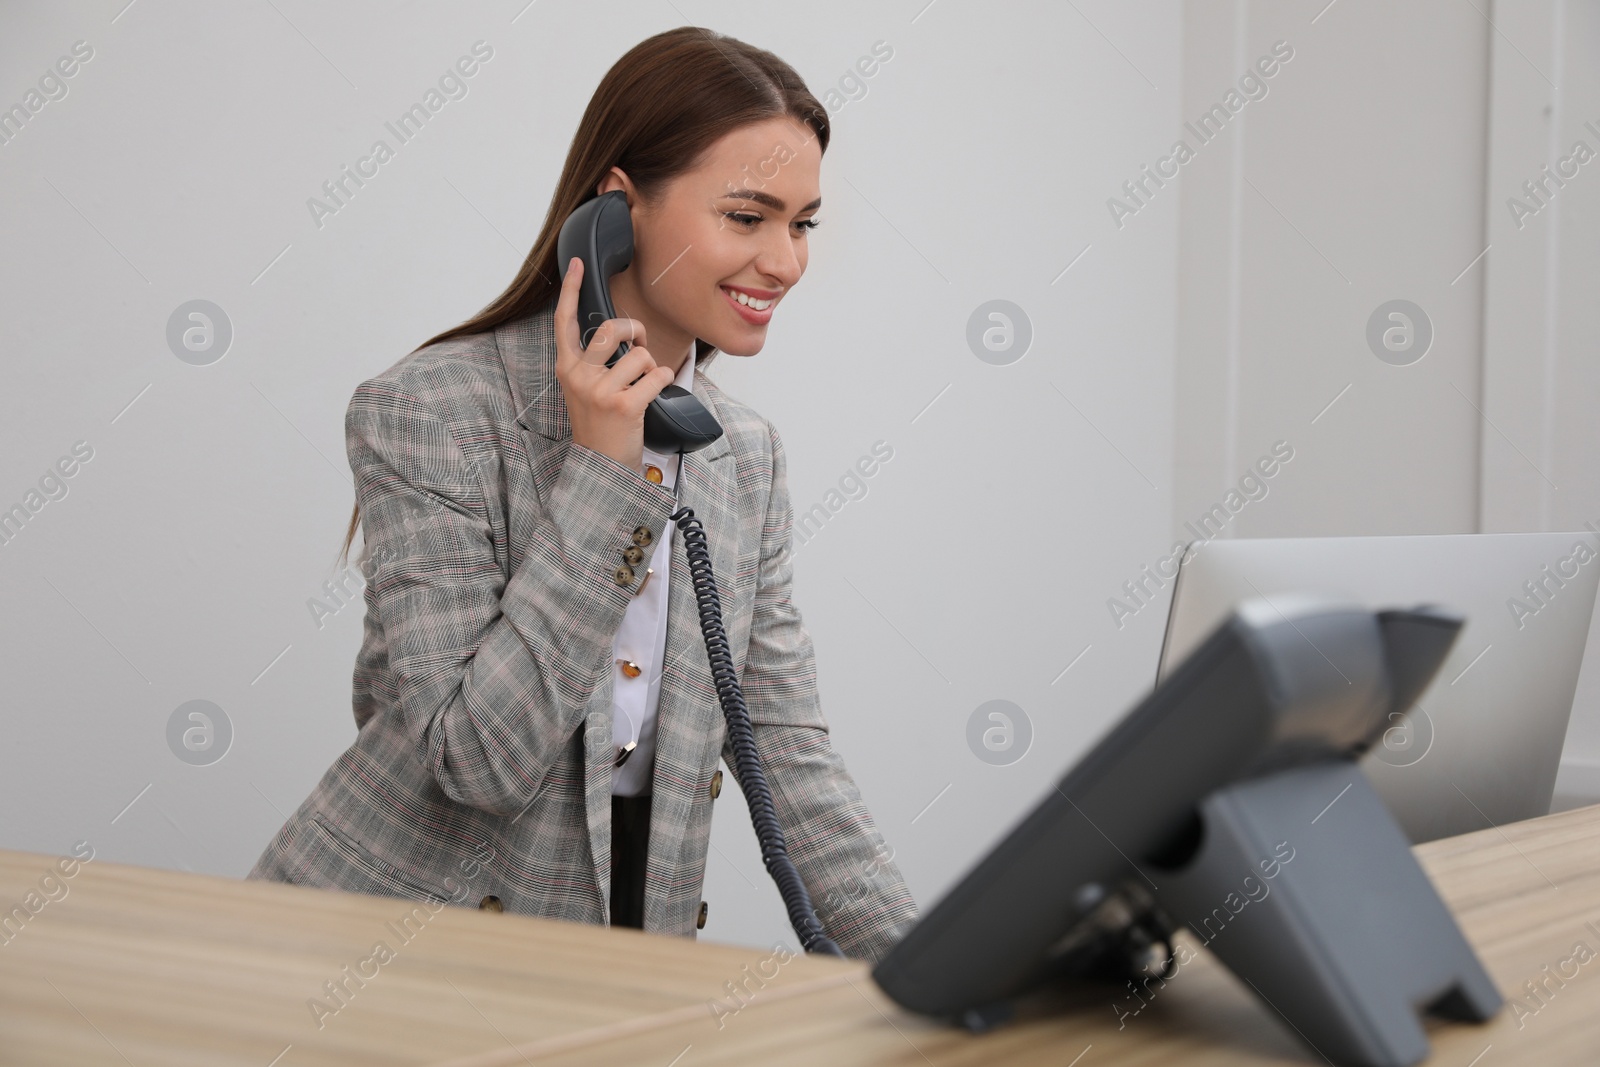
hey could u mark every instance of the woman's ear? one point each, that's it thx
(616, 179)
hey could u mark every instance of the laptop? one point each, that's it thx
(1482, 745)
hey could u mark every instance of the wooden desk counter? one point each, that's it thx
(142, 966)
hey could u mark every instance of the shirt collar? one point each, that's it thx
(685, 378)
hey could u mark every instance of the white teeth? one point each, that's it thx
(758, 305)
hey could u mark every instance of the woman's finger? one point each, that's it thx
(568, 340)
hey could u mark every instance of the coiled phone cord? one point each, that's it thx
(752, 780)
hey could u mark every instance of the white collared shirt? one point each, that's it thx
(642, 640)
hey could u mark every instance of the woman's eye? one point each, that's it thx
(751, 220)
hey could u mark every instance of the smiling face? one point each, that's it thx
(738, 222)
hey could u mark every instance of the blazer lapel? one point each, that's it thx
(706, 484)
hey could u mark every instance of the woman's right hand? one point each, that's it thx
(605, 404)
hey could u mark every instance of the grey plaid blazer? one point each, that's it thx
(481, 772)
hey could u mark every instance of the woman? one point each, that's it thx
(537, 716)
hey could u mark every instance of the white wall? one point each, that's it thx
(1541, 374)
(1356, 180)
(1378, 167)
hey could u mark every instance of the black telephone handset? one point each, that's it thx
(600, 232)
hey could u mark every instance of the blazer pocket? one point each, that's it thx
(384, 878)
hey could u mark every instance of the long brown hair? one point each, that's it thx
(654, 114)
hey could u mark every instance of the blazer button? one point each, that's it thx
(642, 536)
(716, 784)
(491, 903)
(623, 575)
(700, 923)
(634, 555)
